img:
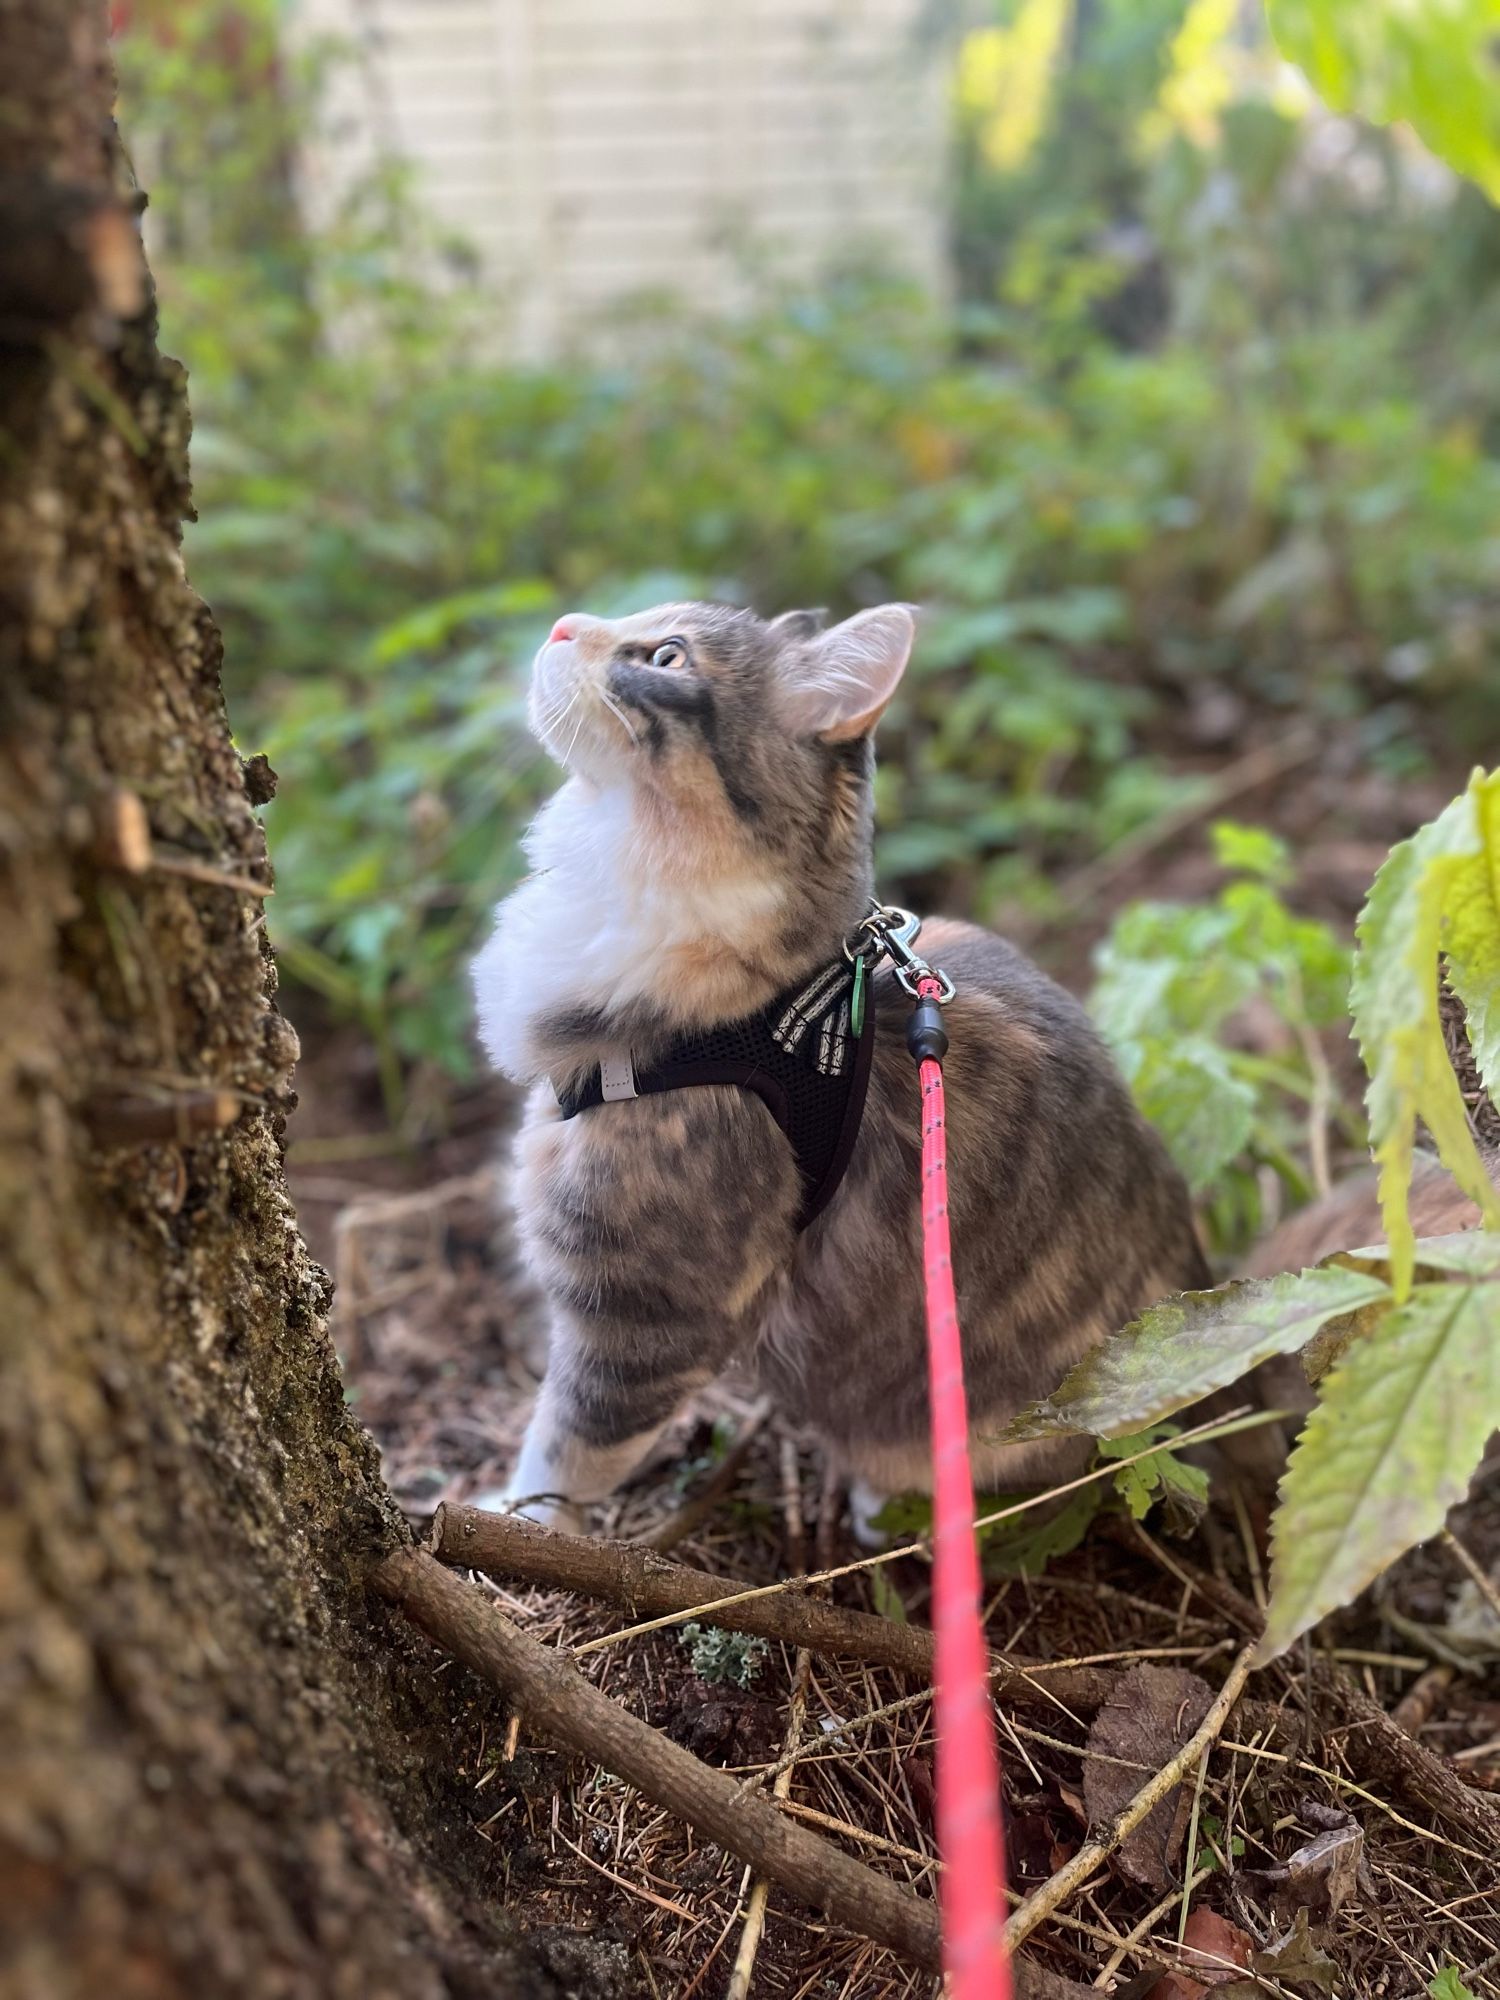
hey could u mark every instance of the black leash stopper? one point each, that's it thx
(926, 1036)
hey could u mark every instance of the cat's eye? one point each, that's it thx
(671, 653)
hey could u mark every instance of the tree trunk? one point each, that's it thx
(227, 1770)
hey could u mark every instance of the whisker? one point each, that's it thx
(619, 715)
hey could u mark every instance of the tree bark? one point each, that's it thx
(227, 1769)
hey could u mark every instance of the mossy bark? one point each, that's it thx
(227, 1770)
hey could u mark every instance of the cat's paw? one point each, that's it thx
(865, 1503)
(546, 1510)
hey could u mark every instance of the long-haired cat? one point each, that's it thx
(709, 851)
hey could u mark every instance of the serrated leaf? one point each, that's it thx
(1190, 1345)
(1471, 934)
(1394, 1001)
(1157, 1475)
(1388, 1450)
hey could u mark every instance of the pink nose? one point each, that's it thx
(563, 629)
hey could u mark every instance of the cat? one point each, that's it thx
(709, 851)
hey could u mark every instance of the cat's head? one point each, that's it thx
(743, 742)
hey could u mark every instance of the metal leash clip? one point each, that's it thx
(890, 929)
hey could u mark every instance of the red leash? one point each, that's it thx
(970, 1839)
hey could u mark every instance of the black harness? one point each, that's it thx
(801, 1056)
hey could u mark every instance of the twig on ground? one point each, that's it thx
(1056, 1890)
(638, 1579)
(1414, 1710)
(1201, 1433)
(558, 1700)
(1140, 1932)
(560, 1703)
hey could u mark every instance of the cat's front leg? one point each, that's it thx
(597, 1416)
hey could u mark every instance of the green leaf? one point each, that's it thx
(1471, 934)
(1024, 1545)
(1388, 1450)
(1156, 1476)
(1394, 1000)
(1251, 850)
(1190, 1345)
(1448, 1985)
(887, 1598)
(1429, 62)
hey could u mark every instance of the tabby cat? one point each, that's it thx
(709, 855)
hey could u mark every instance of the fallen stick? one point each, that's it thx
(1041, 1903)
(639, 1580)
(558, 1701)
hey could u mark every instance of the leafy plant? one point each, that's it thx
(1158, 1476)
(1407, 1353)
(723, 1656)
(1449, 1985)
(1211, 1854)
(1432, 64)
(1174, 982)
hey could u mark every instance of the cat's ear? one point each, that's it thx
(837, 684)
(799, 624)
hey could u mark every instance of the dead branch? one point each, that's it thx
(639, 1580)
(1483, 1582)
(559, 1702)
(1055, 1891)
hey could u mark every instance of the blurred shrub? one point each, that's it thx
(1213, 420)
(1179, 985)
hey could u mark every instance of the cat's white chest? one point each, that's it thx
(594, 930)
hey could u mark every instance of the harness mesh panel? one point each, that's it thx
(819, 1112)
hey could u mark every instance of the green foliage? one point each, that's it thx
(888, 1600)
(1438, 892)
(1211, 1854)
(1156, 1476)
(1403, 1341)
(1192, 1344)
(723, 1656)
(1113, 510)
(1018, 1544)
(1432, 63)
(1174, 981)
(1026, 1544)
(1398, 1429)
(1449, 1985)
